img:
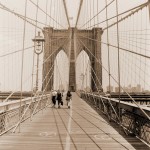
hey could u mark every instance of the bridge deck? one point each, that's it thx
(78, 128)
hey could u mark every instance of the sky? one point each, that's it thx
(73, 7)
(134, 36)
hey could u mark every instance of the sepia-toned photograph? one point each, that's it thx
(75, 75)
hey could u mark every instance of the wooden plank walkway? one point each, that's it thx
(78, 128)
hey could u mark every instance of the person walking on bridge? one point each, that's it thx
(54, 94)
(68, 98)
(59, 98)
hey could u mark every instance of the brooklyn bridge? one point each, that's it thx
(97, 49)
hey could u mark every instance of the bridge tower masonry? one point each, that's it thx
(56, 40)
(96, 62)
(72, 70)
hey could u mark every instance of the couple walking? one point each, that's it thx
(57, 96)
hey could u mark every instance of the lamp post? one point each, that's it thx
(38, 49)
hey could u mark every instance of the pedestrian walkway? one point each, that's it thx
(77, 128)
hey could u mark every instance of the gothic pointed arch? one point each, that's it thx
(73, 41)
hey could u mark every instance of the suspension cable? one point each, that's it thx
(108, 46)
(65, 7)
(20, 120)
(120, 48)
(117, 82)
(16, 51)
(47, 59)
(47, 14)
(88, 64)
(137, 9)
(22, 64)
(79, 11)
(97, 14)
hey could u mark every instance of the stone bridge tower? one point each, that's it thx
(56, 40)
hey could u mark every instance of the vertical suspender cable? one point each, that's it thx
(46, 24)
(54, 15)
(53, 57)
(97, 15)
(46, 12)
(93, 13)
(92, 42)
(57, 7)
(51, 3)
(56, 26)
(50, 12)
(108, 44)
(86, 17)
(95, 42)
(83, 75)
(118, 60)
(32, 82)
(149, 8)
(88, 33)
(146, 37)
(37, 71)
(22, 63)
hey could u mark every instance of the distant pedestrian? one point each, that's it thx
(59, 98)
(68, 98)
(54, 94)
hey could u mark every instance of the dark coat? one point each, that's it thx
(59, 96)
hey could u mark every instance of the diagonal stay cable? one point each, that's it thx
(27, 48)
(21, 16)
(34, 111)
(130, 14)
(51, 75)
(94, 84)
(117, 82)
(20, 120)
(97, 13)
(43, 63)
(123, 49)
(140, 6)
(46, 14)
(79, 11)
(33, 61)
(17, 14)
(22, 58)
(109, 100)
(66, 12)
(55, 51)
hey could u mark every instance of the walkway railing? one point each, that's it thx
(133, 121)
(12, 113)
